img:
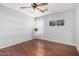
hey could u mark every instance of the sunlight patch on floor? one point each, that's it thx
(40, 49)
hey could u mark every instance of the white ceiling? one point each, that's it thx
(52, 8)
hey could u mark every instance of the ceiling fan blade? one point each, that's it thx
(40, 9)
(24, 7)
(42, 4)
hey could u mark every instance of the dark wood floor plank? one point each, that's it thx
(37, 47)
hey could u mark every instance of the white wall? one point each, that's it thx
(14, 27)
(77, 27)
(62, 34)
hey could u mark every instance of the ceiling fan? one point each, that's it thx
(36, 6)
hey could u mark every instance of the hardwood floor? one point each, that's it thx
(39, 48)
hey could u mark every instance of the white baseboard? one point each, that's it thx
(59, 42)
(14, 43)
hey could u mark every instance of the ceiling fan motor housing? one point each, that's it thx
(34, 5)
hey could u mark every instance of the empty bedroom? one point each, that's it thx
(39, 29)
